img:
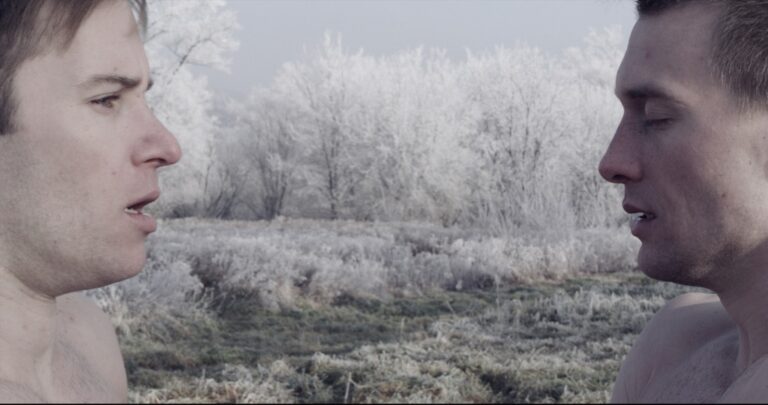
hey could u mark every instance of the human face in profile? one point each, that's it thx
(694, 167)
(83, 161)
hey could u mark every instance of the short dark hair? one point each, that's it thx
(739, 55)
(28, 27)
(652, 7)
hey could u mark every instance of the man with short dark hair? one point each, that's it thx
(692, 153)
(79, 151)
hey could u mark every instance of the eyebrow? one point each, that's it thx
(125, 83)
(646, 92)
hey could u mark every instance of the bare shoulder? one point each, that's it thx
(91, 333)
(11, 392)
(685, 322)
(683, 326)
(692, 312)
(751, 386)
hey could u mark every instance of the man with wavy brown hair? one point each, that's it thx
(692, 154)
(79, 153)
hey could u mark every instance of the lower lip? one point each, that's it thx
(145, 222)
(640, 228)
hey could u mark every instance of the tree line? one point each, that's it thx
(505, 139)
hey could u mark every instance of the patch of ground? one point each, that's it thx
(540, 342)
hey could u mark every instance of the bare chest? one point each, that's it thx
(702, 377)
(69, 379)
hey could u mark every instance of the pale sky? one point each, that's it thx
(276, 31)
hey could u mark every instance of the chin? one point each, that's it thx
(117, 269)
(131, 266)
(674, 267)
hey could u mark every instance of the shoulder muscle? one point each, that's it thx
(91, 331)
(683, 325)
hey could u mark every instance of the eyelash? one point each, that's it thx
(656, 124)
(106, 102)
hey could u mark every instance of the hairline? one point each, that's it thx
(716, 52)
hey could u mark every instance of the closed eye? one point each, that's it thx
(656, 123)
(106, 102)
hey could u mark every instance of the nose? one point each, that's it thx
(620, 163)
(158, 146)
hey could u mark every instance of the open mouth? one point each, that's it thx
(134, 211)
(145, 222)
(137, 207)
(642, 216)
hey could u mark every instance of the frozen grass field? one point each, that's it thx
(320, 311)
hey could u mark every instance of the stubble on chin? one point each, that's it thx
(698, 267)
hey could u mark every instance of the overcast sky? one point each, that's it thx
(276, 31)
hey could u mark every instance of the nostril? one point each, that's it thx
(619, 178)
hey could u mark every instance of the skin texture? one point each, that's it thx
(85, 150)
(686, 154)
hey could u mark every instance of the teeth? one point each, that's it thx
(132, 211)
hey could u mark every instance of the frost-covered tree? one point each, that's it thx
(507, 139)
(521, 124)
(382, 135)
(264, 154)
(421, 162)
(543, 122)
(182, 33)
(328, 91)
(594, 66)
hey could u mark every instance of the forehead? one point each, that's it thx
(106, 42)
(670, 52)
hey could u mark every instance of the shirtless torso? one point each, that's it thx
(87, 365)
(688, 353)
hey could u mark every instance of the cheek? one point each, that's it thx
(74, 174)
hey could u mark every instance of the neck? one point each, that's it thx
(27, 330)
(745, 297)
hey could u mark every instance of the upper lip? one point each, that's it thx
(631, 208)
(145, 200)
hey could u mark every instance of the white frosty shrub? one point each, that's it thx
(155, 301)
(281, 264)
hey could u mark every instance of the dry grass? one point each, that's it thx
(311, 311)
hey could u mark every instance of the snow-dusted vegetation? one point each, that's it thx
(288, 264)
(319, 310)
(505, 139)
(338, 311)
(404, 227)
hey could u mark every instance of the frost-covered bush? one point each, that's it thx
(157, 301)
(536, 256)
(198, 267)
(284, 263)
